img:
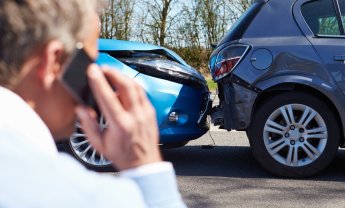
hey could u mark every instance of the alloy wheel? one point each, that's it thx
(295, 135)
(83, 149)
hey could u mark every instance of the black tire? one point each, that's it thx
(99, 168)
(259, 132)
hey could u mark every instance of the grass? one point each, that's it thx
(211, 84)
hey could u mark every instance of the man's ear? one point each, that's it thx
(50, 66)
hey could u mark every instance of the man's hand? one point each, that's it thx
(131, 139)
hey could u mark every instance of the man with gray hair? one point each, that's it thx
(36, 39)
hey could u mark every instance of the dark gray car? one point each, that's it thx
(281, 77)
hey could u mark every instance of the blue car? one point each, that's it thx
(177, 91)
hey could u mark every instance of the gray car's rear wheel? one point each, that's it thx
(294, 134)
(79, 147)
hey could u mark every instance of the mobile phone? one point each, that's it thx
(74, 77)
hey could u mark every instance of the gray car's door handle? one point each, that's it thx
(339, 58)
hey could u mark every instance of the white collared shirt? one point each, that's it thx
(34, 174)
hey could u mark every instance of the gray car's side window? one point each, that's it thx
(321, 17)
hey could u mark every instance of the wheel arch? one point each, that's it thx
(325, 92)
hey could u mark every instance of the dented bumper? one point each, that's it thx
(236, 102)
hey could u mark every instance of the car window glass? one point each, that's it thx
(321, 17)
(237, 30)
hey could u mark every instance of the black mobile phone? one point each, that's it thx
(74, 77)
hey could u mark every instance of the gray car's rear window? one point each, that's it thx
(240, 26)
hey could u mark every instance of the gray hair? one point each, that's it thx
(27, 25)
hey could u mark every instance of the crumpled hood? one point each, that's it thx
(106, 45)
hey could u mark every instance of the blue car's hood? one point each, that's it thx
(106, 60)
(109, 45)
(122, 45)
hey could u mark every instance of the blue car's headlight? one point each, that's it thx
(166, 69)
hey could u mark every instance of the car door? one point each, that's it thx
(322, 22)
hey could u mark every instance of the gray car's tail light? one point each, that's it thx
(228, 58)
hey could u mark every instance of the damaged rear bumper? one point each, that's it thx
(237, 99)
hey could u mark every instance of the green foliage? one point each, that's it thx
(197, 57)
(329, 26)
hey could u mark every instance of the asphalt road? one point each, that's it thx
(228, 176)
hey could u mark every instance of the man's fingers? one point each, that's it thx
(128, 91)
(90, 127)
(104, 94)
